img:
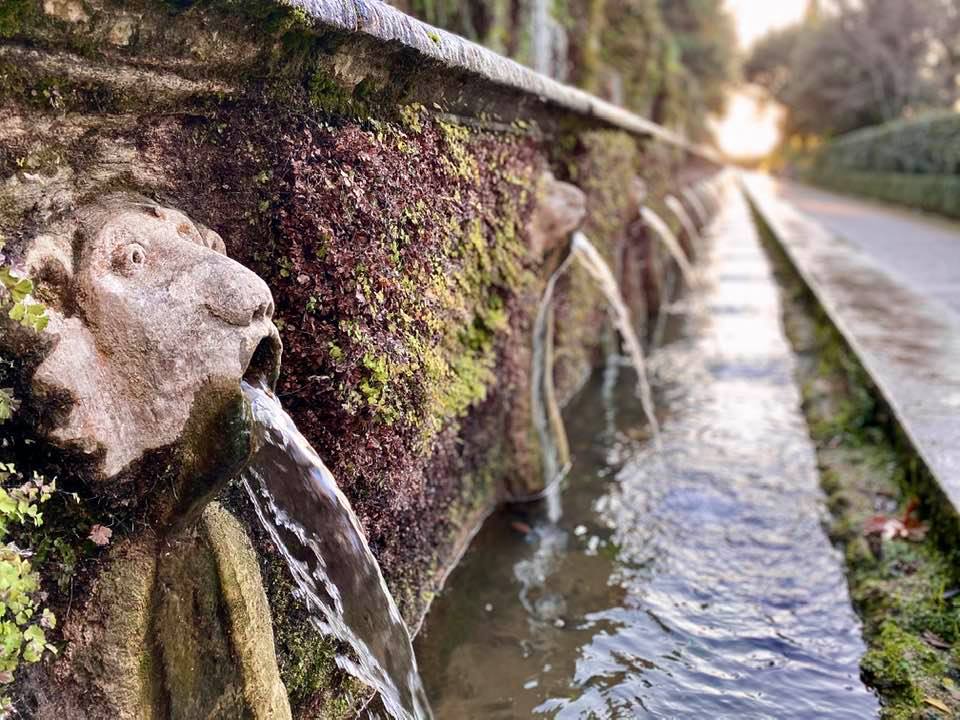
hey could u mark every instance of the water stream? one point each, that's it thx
(669, 240)
(547, 419)
(694, 581)
(313, 526)
(698, 207)
(676, 207)
(598, 269)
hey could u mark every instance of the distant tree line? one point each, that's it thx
(669, 60)
(857, 63)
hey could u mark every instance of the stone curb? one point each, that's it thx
(907, 343)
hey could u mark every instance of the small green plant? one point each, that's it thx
(412, 117)
(22, 307)
(23, 619)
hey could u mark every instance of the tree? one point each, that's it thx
(670, 60)
(633, 47)
(707, 43)
(769, 64)
(866, 63)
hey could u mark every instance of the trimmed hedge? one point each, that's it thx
(909, 162)
(929, 145)
(933, 193)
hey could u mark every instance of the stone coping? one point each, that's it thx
(387, 24)
(907, 342)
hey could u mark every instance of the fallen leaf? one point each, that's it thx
(910, 511)
(934, 640)
(886, 527)
(890, 528)
(916, 529)
(933, 702)
(100, 535)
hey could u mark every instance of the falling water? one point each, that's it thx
(699, 191)
(314, 528)
(669, 240)
(676, 207)
(709, 192)
(694, 582)
(540, 30)
(546, 410)
(594, 263)
(698, 207)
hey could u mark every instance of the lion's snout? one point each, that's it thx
(233, 294)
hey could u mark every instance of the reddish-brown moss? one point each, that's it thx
(404, 296)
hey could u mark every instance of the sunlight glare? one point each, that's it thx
(750, 129)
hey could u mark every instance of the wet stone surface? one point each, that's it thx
(695, 581)
(923, 251)
(904, 334)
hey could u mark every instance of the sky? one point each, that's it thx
(755, 18)
(750, 127)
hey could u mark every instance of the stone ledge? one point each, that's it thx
(906, 342)
(387, 24)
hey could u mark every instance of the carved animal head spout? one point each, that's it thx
(153, 329)
(559, 210)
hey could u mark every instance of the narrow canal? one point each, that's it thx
(694, 581)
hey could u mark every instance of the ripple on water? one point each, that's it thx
(693, 582)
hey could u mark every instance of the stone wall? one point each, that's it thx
(394, 204)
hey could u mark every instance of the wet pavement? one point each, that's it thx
(689, 581)
(890, 306)
(920, 250)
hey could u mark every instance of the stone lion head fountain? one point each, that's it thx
(152, 327)
(151, 330)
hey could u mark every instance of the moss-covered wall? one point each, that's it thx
(391, 233)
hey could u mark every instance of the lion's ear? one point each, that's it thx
(212, 240)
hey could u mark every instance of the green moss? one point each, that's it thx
(448, 313)
(894, 663)
(410, 116)
(328, 95)
(456, 366)
(458, 159)
(17, 16)
(306, 659)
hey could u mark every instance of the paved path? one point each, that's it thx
(921, 250)
(879, 295)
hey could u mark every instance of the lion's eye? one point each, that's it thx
(130, 259)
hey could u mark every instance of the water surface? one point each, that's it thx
(690, 582)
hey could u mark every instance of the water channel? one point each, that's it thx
(692, 580)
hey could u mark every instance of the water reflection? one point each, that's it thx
(690, 582)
